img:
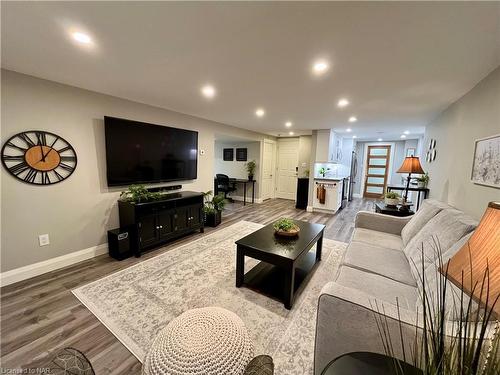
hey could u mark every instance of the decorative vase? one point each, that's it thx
(391, 201)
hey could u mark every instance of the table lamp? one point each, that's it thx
(480, 252)
(410, 165)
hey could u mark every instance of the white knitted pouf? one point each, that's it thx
(208, 341)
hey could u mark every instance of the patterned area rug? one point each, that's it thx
(135, 303)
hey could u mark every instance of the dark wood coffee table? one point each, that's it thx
(285, 262)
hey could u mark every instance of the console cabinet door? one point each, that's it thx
(195, 216)
(148, 232)
(181, 218)
(166, 223)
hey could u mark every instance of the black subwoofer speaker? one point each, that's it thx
(120, 243)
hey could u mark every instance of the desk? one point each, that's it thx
(240, 181)
(420, 191)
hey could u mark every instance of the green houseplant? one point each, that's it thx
(139, 194)
(391, 198)
(423, 180)
(286, 227)
(212, 208)
(250, 167)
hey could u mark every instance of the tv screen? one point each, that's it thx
(138, 152)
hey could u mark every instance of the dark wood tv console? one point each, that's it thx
(154, 223)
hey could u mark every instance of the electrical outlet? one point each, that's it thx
(43, 239)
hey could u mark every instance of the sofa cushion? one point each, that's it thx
(427, 211)
(373, 237)
(441, 232)
(382, 261)
(381, 288)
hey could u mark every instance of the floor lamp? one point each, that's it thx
(410, 165)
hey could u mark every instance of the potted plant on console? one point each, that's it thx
(139, 194)
(250, 166)
(423, 180)
(213, 208)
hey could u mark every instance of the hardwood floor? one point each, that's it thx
(40, 316)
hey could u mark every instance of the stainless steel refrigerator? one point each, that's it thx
(354, 172)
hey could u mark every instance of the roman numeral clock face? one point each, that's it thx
(39, 157)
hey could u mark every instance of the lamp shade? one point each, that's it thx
(411, 164)
(481, 251)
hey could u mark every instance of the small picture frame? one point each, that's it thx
(410, 152)
(241, 154)
(228, 154)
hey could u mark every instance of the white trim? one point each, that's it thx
(35, 269)
(309, 209)
(240, 198)
(355, 195)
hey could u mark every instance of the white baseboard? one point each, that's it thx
(309, 209)
(240, 198)
(35, 269)
(357, 196)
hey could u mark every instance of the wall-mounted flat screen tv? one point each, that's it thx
(138, 152)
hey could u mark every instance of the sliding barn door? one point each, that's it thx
(377, 171)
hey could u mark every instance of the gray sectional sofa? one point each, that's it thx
(382, 264)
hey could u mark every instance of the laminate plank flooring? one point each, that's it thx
(40, 316)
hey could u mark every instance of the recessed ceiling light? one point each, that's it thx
(353, 119)
(260, 112)
(81, 37)
(380, 139)
(291, 133)
(354, 136)
(403, 136)
(406, 132)
(343, 103)
(208, 91)
(288, 124)
(320, 67)
(348, 130)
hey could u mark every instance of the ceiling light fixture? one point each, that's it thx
(343, 103)
(406, 132)
(291, 133)
(320, 67)
(208, 91)
(380, 139)
(353, 119)
(81, 37)
(403, 136)
(288, 124)
(354, 136)
(260, 112)
(348, 130)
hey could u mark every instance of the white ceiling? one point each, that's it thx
(399, 64)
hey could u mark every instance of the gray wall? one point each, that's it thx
(476, 115)
(77, 212)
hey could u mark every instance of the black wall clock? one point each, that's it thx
(38, 157)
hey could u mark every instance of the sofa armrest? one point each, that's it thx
(346, 322)
(381, 222)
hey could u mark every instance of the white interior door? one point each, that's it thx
(288, 162)
(268, 161)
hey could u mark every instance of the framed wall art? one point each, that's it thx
(486, 163)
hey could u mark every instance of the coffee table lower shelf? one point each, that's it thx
(269, 279)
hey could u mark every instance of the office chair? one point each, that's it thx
(224, 185)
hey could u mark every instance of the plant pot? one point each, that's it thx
(421, 184)
(214, 219)
(391, 201)
(250, 177)
(291, 233)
